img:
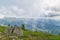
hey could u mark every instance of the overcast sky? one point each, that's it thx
(29, 8)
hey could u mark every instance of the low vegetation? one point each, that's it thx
(27, 35)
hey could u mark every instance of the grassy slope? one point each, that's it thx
(29, 35)
(41, 36)
(2, 28)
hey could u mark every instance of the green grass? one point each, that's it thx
(41, 35)
(30, 35)
(2, 28)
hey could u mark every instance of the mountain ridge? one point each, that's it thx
(41, 24)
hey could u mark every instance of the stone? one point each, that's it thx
(8, 30)
(14, 30)
(18, 31)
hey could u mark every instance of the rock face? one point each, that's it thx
(8, 30)
(17, 31)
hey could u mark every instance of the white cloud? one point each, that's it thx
(29, 8)
(56, 18)
(1, 16)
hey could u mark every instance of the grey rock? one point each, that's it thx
(17, 31)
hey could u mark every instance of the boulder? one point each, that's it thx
(17, 31)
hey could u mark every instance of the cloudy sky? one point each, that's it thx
(29, 8)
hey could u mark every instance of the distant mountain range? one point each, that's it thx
(41, 24)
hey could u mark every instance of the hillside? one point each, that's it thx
(28, 35)
(42, 24)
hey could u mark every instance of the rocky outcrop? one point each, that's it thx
(17, 31)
